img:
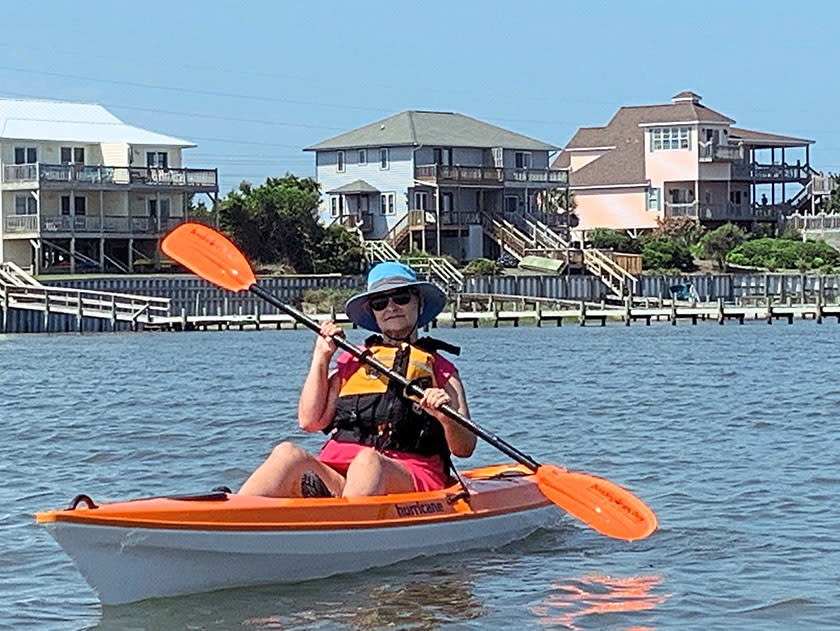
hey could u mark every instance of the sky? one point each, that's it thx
(254, 82)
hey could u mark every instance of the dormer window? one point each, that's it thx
(668, 138)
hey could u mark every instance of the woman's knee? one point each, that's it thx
(367, 459)
(289, 453)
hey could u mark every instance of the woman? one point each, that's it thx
(380, 442)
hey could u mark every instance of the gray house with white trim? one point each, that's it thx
(429, 180)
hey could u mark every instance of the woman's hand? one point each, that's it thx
(433, 399)
(324, 345)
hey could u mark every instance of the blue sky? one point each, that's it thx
(252, 83)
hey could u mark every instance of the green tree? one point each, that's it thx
(718, 243)
(277, 223)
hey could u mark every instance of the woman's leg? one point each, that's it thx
(371, 473)
(280, 474)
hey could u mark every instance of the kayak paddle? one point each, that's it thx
(604, 505)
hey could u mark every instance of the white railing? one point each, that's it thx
(710, 150)
(611, 273)
(97, 175)
(84, 303)
(380, 251)
(12, 274)
(21, 223)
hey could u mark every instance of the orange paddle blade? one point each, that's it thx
(607, 507)
(209, 254)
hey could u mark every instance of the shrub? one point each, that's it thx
(322, 300)
(785, 254)
(483, 267)
(662, 254)
(615, 240)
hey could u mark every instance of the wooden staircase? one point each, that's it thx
(530, 236)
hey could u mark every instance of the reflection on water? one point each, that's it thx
(374, 600)
(572, 600)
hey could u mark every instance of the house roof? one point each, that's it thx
(414, 128)
(73, 122)
(764, 139)
(354, 187)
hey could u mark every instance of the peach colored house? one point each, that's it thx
(682, 159)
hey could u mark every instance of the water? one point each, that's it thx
(730, 434)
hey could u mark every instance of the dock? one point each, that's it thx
(581, 314)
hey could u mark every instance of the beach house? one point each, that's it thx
(683, 159)
(432, 180)
(82, 190)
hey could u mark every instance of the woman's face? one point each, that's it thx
(396, 312)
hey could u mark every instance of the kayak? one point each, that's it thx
(168, 546)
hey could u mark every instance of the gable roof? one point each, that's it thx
(415, 127)
(63, 121)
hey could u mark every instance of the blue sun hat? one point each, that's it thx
(388, 277)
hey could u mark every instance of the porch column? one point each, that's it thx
(72, 250)
(437, 219)
(783, 176)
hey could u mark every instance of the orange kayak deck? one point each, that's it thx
(493, 490)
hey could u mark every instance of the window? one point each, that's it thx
(26, 205)
(665, 138)
(79, 205)
(157, 159)
(446, 202)
(362, 157)
(736, 197)
(522, 160)
(339, 161)
(511, 203)
(26, 155)
(386, 203)
(653, 198)
(72, 155)
(443, 156)
(421, 200)
(384, 159)
(336, 205)
(364, 204)
(154, 207)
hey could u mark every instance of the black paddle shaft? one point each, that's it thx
(410, 388)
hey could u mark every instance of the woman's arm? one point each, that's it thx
(318, 396)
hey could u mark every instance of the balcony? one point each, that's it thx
(711, 151)
(770, 173)
(82, 176)
(728, 212)
(488, 176)
(88, 225)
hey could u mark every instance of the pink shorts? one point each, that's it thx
(426, 471)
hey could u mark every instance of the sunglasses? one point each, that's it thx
(402, 298)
